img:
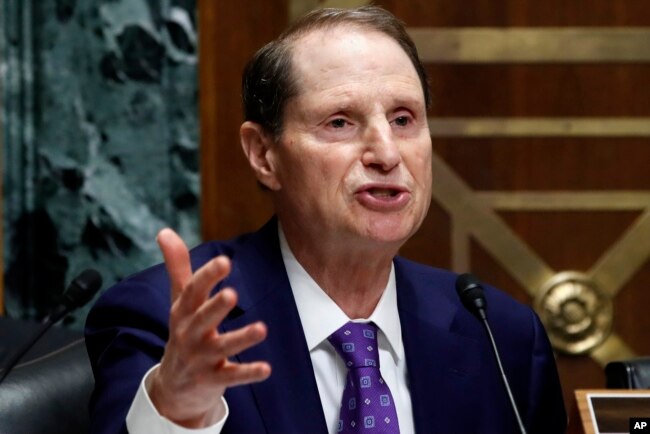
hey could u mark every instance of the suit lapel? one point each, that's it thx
(441, 363)
(288, 401)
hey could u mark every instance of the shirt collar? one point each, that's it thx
(321, 316)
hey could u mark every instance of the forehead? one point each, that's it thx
(346, 53)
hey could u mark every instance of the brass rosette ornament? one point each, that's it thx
(576, 313)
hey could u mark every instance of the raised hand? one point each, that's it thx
(195, 371)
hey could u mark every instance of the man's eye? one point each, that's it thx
(401, 121)
(338, 123)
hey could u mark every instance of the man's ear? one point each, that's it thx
(256, 143)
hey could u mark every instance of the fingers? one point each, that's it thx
(197, 286)
(229, 344)
(177, 260)
(236, 374)
(205, 278)
(213, 311)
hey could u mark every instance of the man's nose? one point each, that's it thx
(380, 148)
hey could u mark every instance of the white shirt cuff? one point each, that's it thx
(143, 418)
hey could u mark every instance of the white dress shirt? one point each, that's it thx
(320, 317)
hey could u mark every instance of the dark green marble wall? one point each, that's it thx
(100, 140)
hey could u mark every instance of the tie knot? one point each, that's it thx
(356, 343)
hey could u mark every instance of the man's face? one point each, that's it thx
(353, 163)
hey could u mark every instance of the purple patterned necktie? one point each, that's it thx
(367, 405)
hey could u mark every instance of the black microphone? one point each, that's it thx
(80, 291)
(470, 291)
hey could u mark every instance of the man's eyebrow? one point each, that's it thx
(344, 107)
(338, 104)
(407, 101)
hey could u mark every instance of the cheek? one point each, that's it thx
(313, 172)
(295, 164)
(421, 163)
(335, 166)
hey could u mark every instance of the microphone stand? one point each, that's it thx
(484, 320)
(45, 326)
(470, 291)
(79, 292)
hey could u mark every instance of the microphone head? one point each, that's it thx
(470, 291)
(82, 289)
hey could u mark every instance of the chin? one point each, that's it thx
(390, 230)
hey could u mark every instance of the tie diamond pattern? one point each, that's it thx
(367, 405)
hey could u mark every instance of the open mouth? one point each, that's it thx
(383, 192)
(383, 198)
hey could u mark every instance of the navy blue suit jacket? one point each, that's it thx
(453, 379)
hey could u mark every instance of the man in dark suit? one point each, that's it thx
(254, 335)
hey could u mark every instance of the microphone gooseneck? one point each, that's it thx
(80, 291)
(471, 293)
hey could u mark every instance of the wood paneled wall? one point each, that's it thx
(230, 32)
